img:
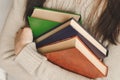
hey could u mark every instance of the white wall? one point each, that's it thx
(5, 6)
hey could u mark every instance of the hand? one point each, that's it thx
(23, 37)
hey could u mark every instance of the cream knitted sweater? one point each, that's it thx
(83, 7)
(29, 65)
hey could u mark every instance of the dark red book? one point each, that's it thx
(72, 54)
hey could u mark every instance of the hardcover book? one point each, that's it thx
(72, 54)
(61, 38)
(69, 29)
(43, 20)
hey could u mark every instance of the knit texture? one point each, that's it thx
(37, 65)
(29, 65)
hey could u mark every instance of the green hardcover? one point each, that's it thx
(40, 26)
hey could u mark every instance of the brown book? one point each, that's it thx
(72, 54)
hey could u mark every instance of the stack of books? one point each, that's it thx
(60, 37)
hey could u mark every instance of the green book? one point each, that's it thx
(43, 20)
(40, 26)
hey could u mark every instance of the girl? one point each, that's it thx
(100, 17)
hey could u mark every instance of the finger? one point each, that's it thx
(25, 27)
(19, 31)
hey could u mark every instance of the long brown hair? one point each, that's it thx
(107, 25)
(30, 7)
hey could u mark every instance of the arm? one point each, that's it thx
(7, 56)
(38, 66)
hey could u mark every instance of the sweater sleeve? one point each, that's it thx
(38, 66)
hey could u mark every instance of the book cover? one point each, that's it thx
(78, 59)
(40, 26)
(44, 19)
(67, 32)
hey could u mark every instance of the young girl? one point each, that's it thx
(100, 17)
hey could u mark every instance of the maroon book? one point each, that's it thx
(77, 57)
